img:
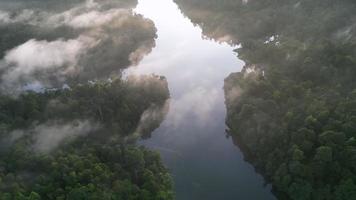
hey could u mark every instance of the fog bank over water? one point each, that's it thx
(192, 139)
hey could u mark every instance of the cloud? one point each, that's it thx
(199, 104)
(4, 17)
(36, 56)
(89, 41)
(148, 82)
(151, 119)
(96, 18)
(49, 136)
(233, 93)
(87, 14)
(9, 138)
(26, 16)
(136, 56)
(13, 137)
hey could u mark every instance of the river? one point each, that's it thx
(204, 163)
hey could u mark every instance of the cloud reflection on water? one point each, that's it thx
(204, 163)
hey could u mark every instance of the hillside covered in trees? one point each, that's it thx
(68, 120)
(292, 108)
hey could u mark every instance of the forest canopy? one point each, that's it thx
(292, 108)
(69, 121)
(79, 143)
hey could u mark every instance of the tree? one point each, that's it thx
(324, 154)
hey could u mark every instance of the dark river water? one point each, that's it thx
(205, 164)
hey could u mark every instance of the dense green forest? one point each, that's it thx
(69, 122)
(293, 107)
(72, 143)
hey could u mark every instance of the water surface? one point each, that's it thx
(204, 163)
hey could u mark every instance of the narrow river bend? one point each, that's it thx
(192, 141)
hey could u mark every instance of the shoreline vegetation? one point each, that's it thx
(69, 122)
(71, 143)
(292, 107)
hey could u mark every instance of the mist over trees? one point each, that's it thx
(87, 40)
(76, 143)
(68, 120)
(292, 108)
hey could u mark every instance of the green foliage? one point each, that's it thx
(117, 104)
(295, 113)
(101, 165)
(324, 154)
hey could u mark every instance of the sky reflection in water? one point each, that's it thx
(205, 164)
